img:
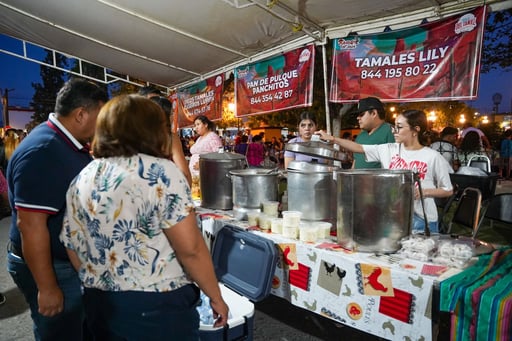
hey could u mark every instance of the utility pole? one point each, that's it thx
(5, 103)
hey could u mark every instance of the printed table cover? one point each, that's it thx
(384, 295)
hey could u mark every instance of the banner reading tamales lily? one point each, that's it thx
(281, 82)
(432, 61)
(202, 98)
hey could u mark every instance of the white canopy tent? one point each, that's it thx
(174, 43)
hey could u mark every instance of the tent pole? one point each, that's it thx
(326, 91)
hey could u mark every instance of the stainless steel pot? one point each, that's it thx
(375, 208)
(312, 190)
(318, 149)
(216, 188)
(252, 187)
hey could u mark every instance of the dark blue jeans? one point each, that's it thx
(64, 326)
(137, 315)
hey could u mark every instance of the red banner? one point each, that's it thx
(279, 83)
(203, 98)
(432, 61)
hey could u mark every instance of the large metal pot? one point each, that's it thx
(252, 187)
(312, 190)
(216, 189)
(321, 150)
(375, 208)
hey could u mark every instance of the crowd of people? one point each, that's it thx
(458, 148)
(108, 244)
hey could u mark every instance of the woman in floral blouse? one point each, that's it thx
(131, 232)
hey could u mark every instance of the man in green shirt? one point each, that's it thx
(371, 117)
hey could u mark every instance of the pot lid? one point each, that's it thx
(254, 171)
(222, 156)
(314, 148)
(310, 167)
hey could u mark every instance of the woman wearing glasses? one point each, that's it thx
(410, 152)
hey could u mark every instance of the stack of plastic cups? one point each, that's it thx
(276, 225)
(270, 208)
(265, 221)
(323, 229)
(308, 232)
(291, 221)
(253, 218)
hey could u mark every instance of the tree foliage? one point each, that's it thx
(228, 97)
(497, 49)
(43, 100)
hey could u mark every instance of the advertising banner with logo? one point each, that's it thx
(432, 61)
(278, 83)
(203, 98)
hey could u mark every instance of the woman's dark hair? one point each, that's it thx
(449, 131)
(257, 138)
(128, 125)
(206, 120)
(470, 141)
(418, 118)
(306, 115)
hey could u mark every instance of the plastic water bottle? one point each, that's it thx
(205, 311)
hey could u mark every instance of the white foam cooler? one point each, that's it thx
(241, 319)
(244, 264)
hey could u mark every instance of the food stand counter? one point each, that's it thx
(384, 295)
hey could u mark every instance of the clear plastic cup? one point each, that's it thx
(323, 229)
(276, 225)
(291, 232)
(253, 218)
(308, 233)
(271, 208)
(291, 218)
(264, 221)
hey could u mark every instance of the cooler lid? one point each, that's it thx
(244, 261)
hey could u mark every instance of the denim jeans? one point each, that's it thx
(64, 326)
(418, 225)
(138, 315)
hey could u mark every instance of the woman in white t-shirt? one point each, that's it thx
(410, 152)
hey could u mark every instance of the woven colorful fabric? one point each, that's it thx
(480, 299)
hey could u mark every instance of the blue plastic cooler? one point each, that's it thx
(244, 264)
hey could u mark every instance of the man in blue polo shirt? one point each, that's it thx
(38, 175)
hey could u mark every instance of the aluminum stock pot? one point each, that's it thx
(375, 208)
(216, 189)
(312, 190)
(251, 188)
(317, 149)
